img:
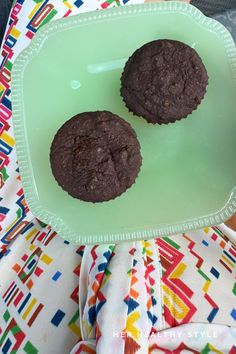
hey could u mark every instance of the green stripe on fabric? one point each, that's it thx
(234, 289)
(203, 274)
(171, 242)
(30, 349)
(206, 350)
(74, 318)
(8, 65)
(4, 174)
(6, 315)
(49, 17)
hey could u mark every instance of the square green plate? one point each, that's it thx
(188, 174)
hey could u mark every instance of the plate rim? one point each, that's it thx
(21, 141)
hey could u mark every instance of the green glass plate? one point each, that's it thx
(188, 176)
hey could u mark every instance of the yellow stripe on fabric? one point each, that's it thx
(228, 261)
(146, 245)
(67, 4)
(35, 9)
(172, 301)
(75, 329)
(29, 308)
(130, 325)
(206, 286)
(15, 32)
(46, 259)
(178, 271)
(104, 280)
(11, 225)
(2, 88)
(149, 253)
(31, 234)
(214, 349)
(32, 247)
(8, 139)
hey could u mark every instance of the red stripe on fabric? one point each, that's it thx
(20, 192)
(211, 302)
(225, 265)
(231, 250)
(8, 290)
(18, 298)
(35, 314)
(29, 34)
(182, 286)
(53, 234)
(12, 297)
(169, 317)
(67, 13)
(41, 236)
(161, 243)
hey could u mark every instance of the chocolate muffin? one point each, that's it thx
(163, 81)
(95, 156)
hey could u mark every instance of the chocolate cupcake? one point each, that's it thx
(95, 156)
(163, 81)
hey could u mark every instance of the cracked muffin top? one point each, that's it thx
(163, 81)
(95, 156)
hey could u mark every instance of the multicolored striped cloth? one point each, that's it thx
(173, 294)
